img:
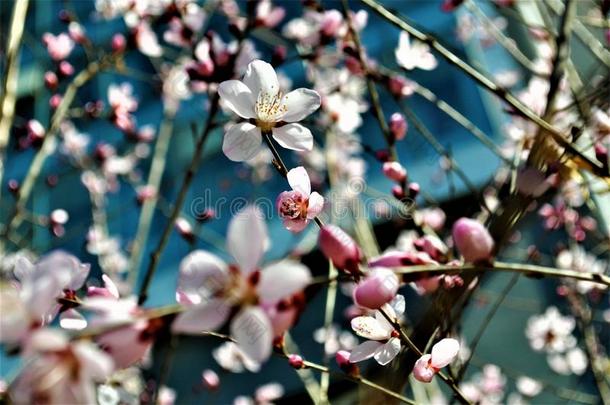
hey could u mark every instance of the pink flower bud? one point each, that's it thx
(398, 126)
(472, 240)
(398, 192)
(450, 5)
(342, 359)
(394, 171)
(422, 370)
(65, 69)
(185, 229)
(295, 361)
(414, 190)
(76, 32)
(339, 247)
(35, 130)
(400, 86)
(50, 80)
(118, 43)
(59, 217)
(54, 101)
(377, 289)
(441, 355)
(210, 379)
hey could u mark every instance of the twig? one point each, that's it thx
(527, 269)
(331, 298)
(9, 86)
(148, 206)
(186, 182)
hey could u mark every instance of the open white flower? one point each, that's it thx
(258, 100)
(384, 340)
(414, 55)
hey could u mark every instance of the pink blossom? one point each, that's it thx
(59, 47)
(339, 247)
(442, 354)
(74, 368)
(472, 240)
(395, 171)
(210, 288)
(332, 21)
(267, 15)
(376, 289)
(299, 206)
(210, 379)
(398, 126)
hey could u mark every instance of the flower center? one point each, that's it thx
(294, 207)
(269, 109)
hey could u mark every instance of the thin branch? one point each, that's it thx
(527, 269)
(11, 77)
(186, 183)
(480, 78)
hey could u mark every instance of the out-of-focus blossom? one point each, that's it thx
(210, 289)
(210, 379)
(147, 41)
(339, 247)
(472, 240)
(561, 215)
(377, 289)
(395, 171)
(486, 387)
(59, 371)
(334, 339)
(269, 15)
(59, 47)
(264, 395)
(441, 355)
(230, 357)
(383, 342)
(398, 126)
(416, 54)
(32, 299)
(578, 259)
(258, 97)
(528, 386)
(299, 206)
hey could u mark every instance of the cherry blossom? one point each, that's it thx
(441, 355)
(60, 371)
(259, 100)
(210, 288)
(384, 341)
(411, 55)
(59, 47)
(299, 206)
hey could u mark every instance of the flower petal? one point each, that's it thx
(247, 238)
(294, 136)
(282, 279)
(253, 333)
(72, 320)
(299, 180)
(316, 205)
(260, 78)
(388, 351)
(238, 97)
(207, 316)
(242, 142)
(295, 225)
(299, 104)
(369, 328)
(201, 275)
(364, 350)
(444, 352)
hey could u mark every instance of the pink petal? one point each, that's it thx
(299, 181)
(201, 275)
(282, 279)
(247, 238)
(316, 205)
(422, 370)
(253, 333)
(207, 316)
(444, 352)
(295, 225)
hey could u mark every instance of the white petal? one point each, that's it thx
(260, 77)
(398, 304)
(316, 205)
(364, 351)
(242, 142)
(207, 316)
(97, 364)
(72, 320)
(247, 238)
(238, 97)
(201, 275)
(253, 334)
(444, 352)
(369, 328)
(299, 180)
(294, 136)
(299, 104)
(282, 279)
(388, 351)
